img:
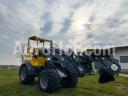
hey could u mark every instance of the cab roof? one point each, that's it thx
(37, 38)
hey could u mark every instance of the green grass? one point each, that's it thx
(87, 86)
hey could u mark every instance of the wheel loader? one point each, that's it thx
(104, 64)
(56, 68)
(44, 61)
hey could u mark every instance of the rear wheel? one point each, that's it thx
(115, 68)
(25, 78)
(72, 77)
(49, 80)
(70, 81)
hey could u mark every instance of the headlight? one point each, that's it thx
(48, 58)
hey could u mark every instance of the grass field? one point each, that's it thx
(87, 86)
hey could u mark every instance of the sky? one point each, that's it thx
(77, 23)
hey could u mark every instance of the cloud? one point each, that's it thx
(47, 27)
(103, 23)
(81, 23)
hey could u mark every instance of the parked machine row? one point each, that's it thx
(57, 68)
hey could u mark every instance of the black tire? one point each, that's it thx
(116, 62)
(72, 77)
(25, 78)
(70, 81)
(116, 68)
(49, 80)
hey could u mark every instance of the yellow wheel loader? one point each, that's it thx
(51, 69)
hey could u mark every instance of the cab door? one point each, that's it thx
(38, 60)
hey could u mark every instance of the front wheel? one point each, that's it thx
(25, 78)
(49, 80)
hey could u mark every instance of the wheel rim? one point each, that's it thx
(44, 82)
(114, 67)
(23, 73)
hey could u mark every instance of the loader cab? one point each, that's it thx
(38, 50)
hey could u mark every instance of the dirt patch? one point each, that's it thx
(121, 86)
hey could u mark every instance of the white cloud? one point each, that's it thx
(92, 21)
(98, 32)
